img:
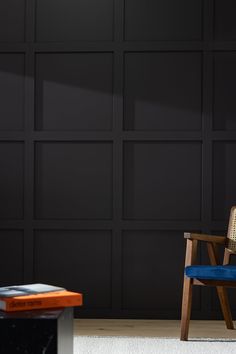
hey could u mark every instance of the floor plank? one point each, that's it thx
(150, 328)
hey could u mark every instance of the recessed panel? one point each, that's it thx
(163, 20)
(224, 109)
(162, 180)
(225, 26)
(224, 175)
(12, 20)
(151, 281)
(163, 91)
(12, 91)
(74, 91)
(11, 180)
(11, 260)
(73, 180)
(79, 261)
(71, 20)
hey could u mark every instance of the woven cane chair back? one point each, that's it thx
(231, 244)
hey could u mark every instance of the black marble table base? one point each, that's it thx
(37, 332)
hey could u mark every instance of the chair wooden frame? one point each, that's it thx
(212, 242)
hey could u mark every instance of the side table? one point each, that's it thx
(37, 332)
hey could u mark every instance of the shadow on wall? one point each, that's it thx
(162, 91)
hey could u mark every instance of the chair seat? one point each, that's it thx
(226, 272)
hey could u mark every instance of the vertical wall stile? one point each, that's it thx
(207, 139)
(117, 156)
(29, 143)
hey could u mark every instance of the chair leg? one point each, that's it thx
(186, 308)
(225, 307)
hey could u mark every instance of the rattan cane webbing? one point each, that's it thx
(232, 230)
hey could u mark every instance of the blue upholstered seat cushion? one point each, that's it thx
(227, 272)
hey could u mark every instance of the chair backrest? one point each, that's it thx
(231, 235)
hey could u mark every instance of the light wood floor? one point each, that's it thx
(150, 328)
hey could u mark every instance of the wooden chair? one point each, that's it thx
(220, 276)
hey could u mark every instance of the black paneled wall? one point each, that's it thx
(117, 134)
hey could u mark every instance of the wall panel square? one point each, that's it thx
(11, 260)
(224, 110)
(12, 20)
(74, 91)
(151, 281)
(71, 20)
(225, 26)
(163, 91)
(162, 180)
(12, 91)
(73, 180)
(11, 180)
(163, 20)
(224, 175)
(79, 261)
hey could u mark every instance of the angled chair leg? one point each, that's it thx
(221, 291)
(190, 257)
(225, 307)
(186, 308)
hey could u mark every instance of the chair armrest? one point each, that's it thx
(206, 238)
